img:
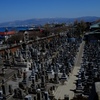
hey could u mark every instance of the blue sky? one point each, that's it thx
(11, 10)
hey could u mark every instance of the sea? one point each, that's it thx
(3, 29)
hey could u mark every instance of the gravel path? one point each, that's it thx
(65, 89)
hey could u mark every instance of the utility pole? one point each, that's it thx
(6, 38)
(26, 39)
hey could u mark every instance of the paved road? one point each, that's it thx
(65, 89)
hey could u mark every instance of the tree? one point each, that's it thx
(80, 27)
(97, 21)
(15, 38)
(75, 23)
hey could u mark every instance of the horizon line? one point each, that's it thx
(45, 18)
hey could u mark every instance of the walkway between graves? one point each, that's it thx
(63, 90)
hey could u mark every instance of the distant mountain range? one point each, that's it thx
(43, 21)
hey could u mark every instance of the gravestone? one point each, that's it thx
(19, 75)
(39, 96)
(24, 77)
(18, 93)
(10, 89)
(46, 96)
(42, 82)
(14, 77)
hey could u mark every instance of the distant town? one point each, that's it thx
(43, 21)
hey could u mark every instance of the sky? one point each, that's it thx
(11, 10)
